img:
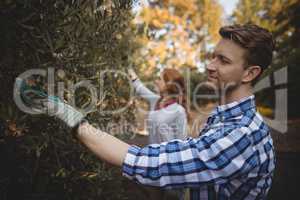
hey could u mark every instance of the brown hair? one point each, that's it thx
(258, 42)
(175, 86)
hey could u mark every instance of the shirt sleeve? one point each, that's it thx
(215, 158)
(145, 93)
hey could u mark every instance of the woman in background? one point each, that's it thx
(167, 118)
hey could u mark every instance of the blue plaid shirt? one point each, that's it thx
(233, 158)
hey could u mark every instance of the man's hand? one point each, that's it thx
(102, 144)
(42, 103)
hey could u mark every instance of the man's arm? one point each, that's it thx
(189, 163)
(103, 145)
(214, 158)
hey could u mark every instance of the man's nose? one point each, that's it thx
(211, 66)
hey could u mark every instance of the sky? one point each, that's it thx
(229, 6)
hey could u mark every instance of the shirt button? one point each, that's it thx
(222, 118)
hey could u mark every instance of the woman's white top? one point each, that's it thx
(164, 124)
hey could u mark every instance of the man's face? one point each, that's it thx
(226, 68)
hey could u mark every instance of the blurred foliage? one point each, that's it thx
(176, 33)
(282, 17)
(265, 111)
(262, 13)
(79, 40)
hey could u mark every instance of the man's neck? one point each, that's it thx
(236, 94)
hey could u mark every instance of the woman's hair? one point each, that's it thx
(175, 86)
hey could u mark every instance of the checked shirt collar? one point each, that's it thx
(228, 111)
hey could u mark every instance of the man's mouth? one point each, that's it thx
(210, 78)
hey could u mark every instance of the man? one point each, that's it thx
(234, 156)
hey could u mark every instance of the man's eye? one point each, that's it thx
(224, 61)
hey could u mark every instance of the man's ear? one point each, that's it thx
(251, 73)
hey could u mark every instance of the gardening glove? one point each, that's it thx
(51, 105)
